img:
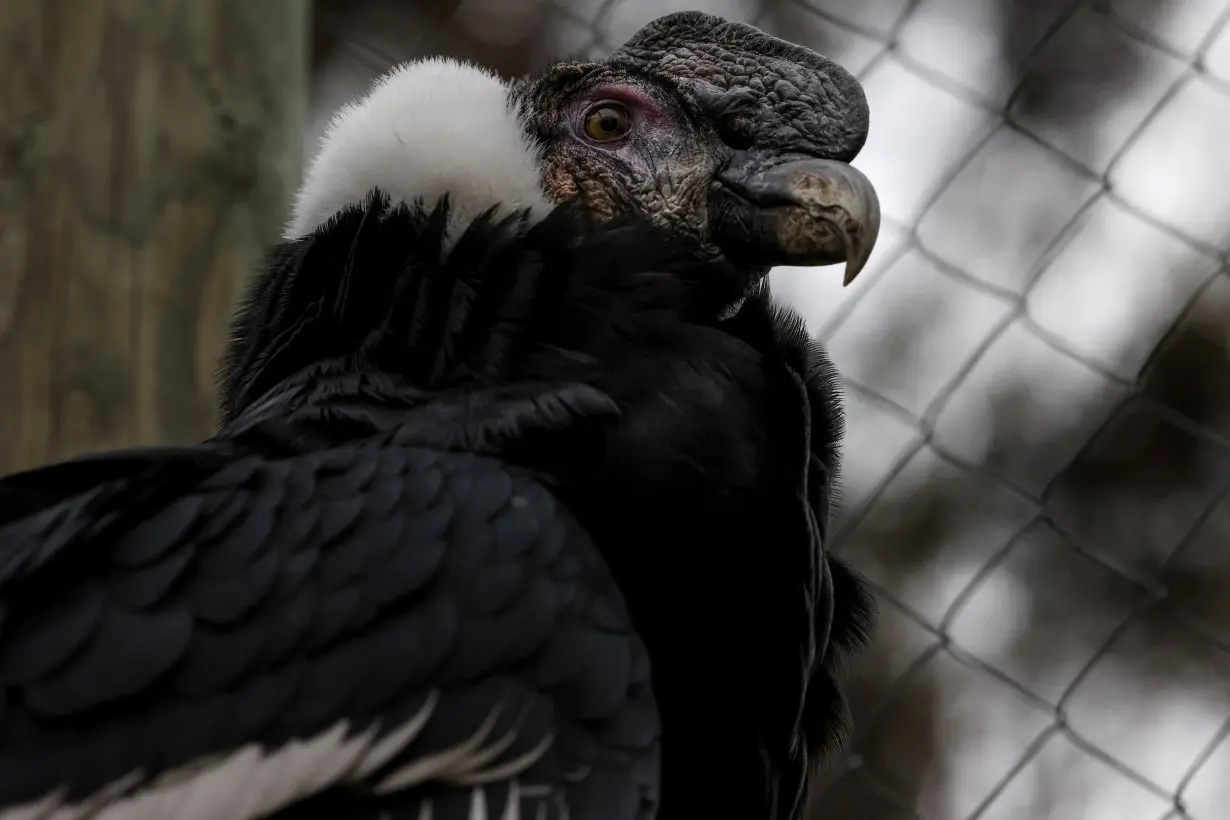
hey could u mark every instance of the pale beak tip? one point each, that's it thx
(852, 270)
(857, 255)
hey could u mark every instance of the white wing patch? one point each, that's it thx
(517, 794)
(252, 782)
(427, 128)
(467, 763)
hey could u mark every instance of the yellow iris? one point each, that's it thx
(607, 122)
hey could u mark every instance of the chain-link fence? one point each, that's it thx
(1038, 383)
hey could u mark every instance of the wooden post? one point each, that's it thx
(148, 153)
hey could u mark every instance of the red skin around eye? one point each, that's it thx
(648, 117)
(643, 106)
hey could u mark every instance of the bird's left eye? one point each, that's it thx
(606, 122)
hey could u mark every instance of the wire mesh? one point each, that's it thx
(1038, 386)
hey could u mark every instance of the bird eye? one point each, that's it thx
(606, 122)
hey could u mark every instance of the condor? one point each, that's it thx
(519, 503)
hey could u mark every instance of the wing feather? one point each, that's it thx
(213, 634)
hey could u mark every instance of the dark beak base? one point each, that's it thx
(800, 212)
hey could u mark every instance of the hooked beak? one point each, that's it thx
(806, 211)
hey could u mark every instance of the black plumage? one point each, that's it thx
(465, 492)
(460, 581)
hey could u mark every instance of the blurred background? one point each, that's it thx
(1038, 388)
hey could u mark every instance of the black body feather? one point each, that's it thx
(444, 469)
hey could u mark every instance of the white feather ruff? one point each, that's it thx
(426, 128)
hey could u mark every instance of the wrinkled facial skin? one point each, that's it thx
(734, 138)
(662, 168)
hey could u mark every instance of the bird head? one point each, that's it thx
(711, 130)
